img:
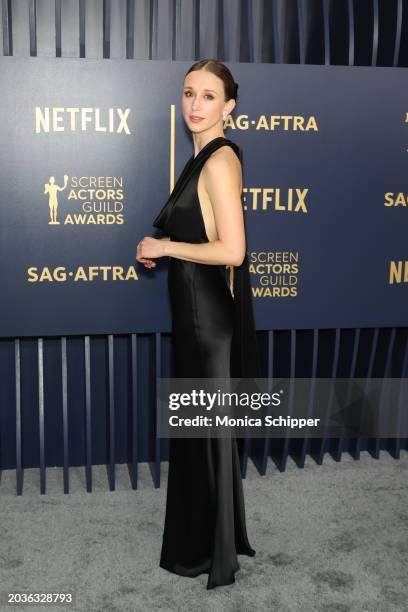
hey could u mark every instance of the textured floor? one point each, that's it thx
(330, 538)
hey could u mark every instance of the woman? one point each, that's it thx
(213, 328)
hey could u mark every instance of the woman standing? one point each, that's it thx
(213, 329)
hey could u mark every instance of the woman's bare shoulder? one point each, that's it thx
(222, 160)
(225, 151)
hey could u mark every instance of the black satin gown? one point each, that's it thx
(213, 335)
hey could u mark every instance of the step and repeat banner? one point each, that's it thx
(90, 150)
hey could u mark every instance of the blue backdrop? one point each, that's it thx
(325, 161)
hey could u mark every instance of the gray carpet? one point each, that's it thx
(330, 538)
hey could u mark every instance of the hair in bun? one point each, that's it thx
(220, 70)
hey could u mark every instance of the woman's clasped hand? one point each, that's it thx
(149, 248)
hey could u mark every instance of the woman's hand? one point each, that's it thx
(149, 248)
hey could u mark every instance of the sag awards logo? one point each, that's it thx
(96, 200)
(275, 273)
(91, 200)
(88, 200)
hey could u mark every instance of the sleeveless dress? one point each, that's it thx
(213, 335)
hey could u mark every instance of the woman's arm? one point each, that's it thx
(207, 253)
(223, 181)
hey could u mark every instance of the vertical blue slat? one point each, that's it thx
(88, 421)
(96, 19)
(111, 468)
(244, 456)
(41, 413)
(231, 25)
(292, 376)
(374, 56)
(326, 33)
(301, 31)
(45, 28)
(259, 31)
(32, 20)
(306, 445)
(7, 33)
(398, 29)
(154, 26)
(117, 31)
(277, 43)
(82, 29)
(336, 454)
(106, 28)
(351, 32)
(140, 14)
(72, 28)
(19, 463)
(247, 444)
(64, 372)
(403, 394)
(375, 444)
(20, 29)
(157, 373)
(58, 29)
(130, 33)
(392, 444)
(251, 8)
(355, 445)
(209, 13)
(1, 27)
(259, 446)
(280, 457)
(268, 439)
(184, 43)
(134, 421)
(324, 444)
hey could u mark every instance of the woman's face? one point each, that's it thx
(203, 103)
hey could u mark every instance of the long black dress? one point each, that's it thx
(213, 335)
